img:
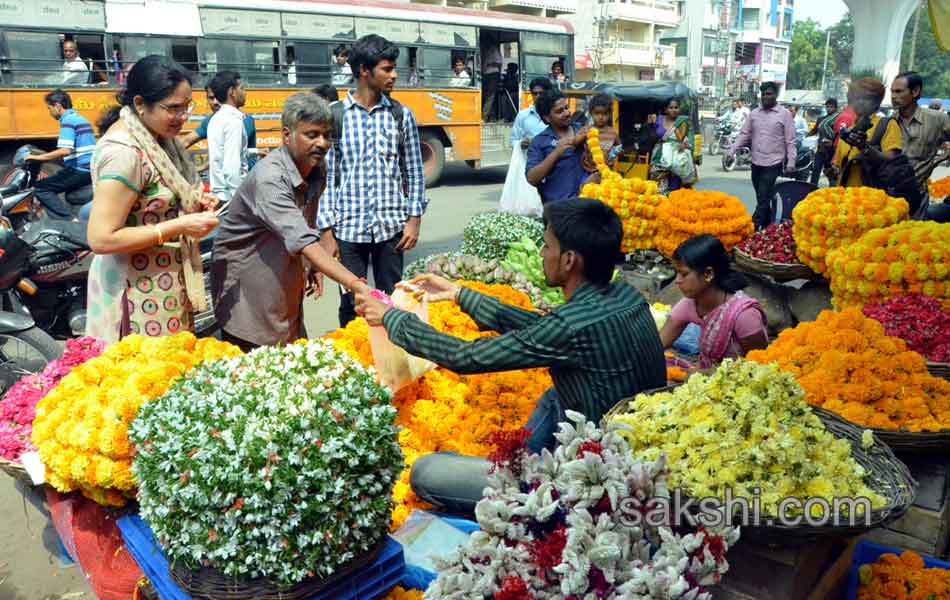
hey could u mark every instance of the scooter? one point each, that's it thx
(17, 199)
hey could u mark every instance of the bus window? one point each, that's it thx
(92, 52)
(257, 61)
(539, 66)
(185, 53)
(436, 65)
(407, 74)
(133, 48)
(31, 58)
(310, 63)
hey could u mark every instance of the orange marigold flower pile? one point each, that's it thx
(913, 256)
(834, 217)
(81, 425)
(447, 411)
(903, 577)
(688, 213)
(400, 593)
(634, 200)
(939, 189)
(848, 365)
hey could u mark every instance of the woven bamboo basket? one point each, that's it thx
(919, 442)
(15, 470)
(885, 474)
(211, 584)
(939, 369)
(777, 271)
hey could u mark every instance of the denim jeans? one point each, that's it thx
(455, 482)
(47, 190)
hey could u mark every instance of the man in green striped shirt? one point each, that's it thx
(601, 346)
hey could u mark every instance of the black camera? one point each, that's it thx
(860, 128)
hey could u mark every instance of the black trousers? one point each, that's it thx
(822, 158)
(387, 268)
(67, 179)
(763, 180)
(490, 85)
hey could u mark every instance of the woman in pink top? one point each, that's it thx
(730, 322)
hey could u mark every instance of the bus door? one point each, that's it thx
(500, 80)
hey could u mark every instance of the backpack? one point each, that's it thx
(895, 176)
(336, 109)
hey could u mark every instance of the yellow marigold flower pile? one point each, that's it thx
(687, 213)
(912, 256)
(848, 365)
(834, 217)
(81, 425)
(447, 411)
(939, 189)
(634, 200)
(399, 593)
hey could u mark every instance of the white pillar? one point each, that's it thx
(879, 34)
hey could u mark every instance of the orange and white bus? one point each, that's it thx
(280, 47)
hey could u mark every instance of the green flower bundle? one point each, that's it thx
(488, 235)
(279, 463)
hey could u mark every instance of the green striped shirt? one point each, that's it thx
(601, 346)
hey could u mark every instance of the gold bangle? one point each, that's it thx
(161, 238)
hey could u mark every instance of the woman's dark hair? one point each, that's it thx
(154, 78)
(369, 51)
(341, 49)
(542, 82)
(327, 91)
(600, 101)
(546, 101)
(669, 101)
(222, 84)
(60, 97)
(589, 228)
(703, 252)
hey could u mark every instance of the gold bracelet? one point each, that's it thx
(161, 238)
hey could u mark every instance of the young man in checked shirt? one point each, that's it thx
(601, 346)
(375, 197)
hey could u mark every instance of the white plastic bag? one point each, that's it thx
(395, 367)
(680, 163)
(518, 196)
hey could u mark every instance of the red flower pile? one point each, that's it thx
(510, 448)
(513, 588)
(774, 244)
(917, 319)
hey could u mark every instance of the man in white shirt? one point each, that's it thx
(341, 73)
(801, 126)
(75, 71)
(460, 77)
(739, 114)
(227, 137)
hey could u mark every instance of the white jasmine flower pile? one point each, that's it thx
(279, 463)
(560, 526)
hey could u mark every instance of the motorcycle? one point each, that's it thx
(722, 138)
(17, 199)
(740, 158)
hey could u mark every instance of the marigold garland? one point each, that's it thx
(81, 425)
(847, 365)
(687, 213)
(447, 411)
(904, 577)
(835, 217)
(913, 256)
(634, 200)
(939, 189)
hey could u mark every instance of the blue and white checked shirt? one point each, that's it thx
(75, 132)
(370, 205)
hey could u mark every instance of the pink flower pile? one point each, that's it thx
(18, 406)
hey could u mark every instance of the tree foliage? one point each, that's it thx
(807, 53)
(930, 61)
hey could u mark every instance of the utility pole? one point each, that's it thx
(913, 39)
(824, 69)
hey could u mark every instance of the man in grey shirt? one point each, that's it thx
(258, 276)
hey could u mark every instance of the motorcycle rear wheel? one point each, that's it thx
(24, 352)
(728, 163)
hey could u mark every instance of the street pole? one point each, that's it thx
(824, 69)
(913, 39)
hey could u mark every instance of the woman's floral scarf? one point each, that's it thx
(716, 339)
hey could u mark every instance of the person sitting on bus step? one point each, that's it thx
(75, 69)
(731, 323)
(200, 132)
(461, 77)
(372, 208)
(227, 137)
(554, 156)
(528, 123)
(600, 346)
(76, 144)
(341, 73)
(327, 91)
(599, 109)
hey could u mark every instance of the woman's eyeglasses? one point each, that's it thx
(177, 110)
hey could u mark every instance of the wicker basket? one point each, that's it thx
(886, 475)
(16, 471)
(939, 369)
(777, 271)
(900, 441)
(211, 584)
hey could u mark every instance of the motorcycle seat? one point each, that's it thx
(80, 196)
(71, 231)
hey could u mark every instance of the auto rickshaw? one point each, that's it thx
(632, 104)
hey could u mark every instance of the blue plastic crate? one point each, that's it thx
(372, 581)
(417, 578)
(866, 552)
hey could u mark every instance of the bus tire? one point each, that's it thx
(433, 157)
